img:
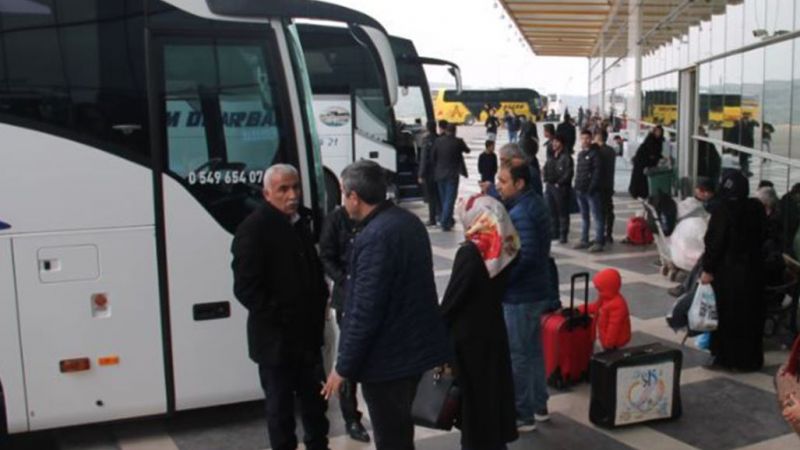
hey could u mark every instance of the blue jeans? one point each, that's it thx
(592, 204)
(448, 189)
(512, 136)
(527, 360)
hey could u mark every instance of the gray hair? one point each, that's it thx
(768, 197)
(278, 169)
(511, 151)
(367, 179)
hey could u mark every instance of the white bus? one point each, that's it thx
(355, 113)
(135, 134)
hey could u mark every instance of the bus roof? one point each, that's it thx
(299, 9)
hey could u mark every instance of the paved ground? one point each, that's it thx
(721, 411)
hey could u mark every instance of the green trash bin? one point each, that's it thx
(660, 179)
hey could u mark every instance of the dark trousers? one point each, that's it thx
(282, 384)
(431, 192)
(347, 393)
(389, 406)
(558, 203)
(608, 212)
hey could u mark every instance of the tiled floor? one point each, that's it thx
(721, 410)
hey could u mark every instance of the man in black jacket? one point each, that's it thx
(392, 331)
(278, 277)
(558, 171)
(608, 161)
(587, 186)
(567, 129)
(448, 159)
(335, 244)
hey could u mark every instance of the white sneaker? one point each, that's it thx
(525, 426)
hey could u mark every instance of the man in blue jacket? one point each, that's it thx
(528, 294)
(391, 330)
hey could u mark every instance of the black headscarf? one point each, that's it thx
(734, 186)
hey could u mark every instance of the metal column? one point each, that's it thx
(634, 71)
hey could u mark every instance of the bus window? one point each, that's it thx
(372, 115)
(410, 106)
(222, 122)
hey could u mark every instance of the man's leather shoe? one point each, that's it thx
(357, 432)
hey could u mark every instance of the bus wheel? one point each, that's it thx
(333, 193)
(469, 120)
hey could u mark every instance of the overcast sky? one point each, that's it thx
(476, 35)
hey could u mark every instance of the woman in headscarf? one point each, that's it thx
(733, 263)
(647, 155)
(472, 308)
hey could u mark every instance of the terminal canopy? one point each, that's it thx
(581, 27)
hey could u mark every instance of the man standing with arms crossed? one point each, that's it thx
(278, 277)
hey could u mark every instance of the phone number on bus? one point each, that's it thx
(225, 177)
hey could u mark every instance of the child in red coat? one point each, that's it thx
(610, 311)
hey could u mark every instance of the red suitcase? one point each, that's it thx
(568, 341)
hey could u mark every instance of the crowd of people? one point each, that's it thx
(486, 330)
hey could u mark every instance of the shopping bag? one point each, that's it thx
(703, 312)
(787, 379)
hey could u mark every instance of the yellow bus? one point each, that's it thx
(471, 106)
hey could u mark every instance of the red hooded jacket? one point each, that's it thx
(610, 311)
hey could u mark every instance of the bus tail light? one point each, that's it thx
(74, 365)
(110, 360)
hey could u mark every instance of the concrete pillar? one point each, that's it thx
(603, 111)
(634, 71)
(589, 85)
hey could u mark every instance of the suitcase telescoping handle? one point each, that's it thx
(576, 277)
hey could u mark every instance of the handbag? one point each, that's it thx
(703, 312)
(437, 402)
(787, 379)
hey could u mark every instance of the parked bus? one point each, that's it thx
(471, 105)
(350, 102)
(135, 136)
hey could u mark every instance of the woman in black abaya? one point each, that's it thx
(733, 263)
(647, 155)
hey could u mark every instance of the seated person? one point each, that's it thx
(612, 318)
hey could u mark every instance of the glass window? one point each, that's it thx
(780, 16)
(753, 89)
(734, 17)
(222, 124)
(705, 39)
(77, 70)
(777, 102)
(755, 21)
(410, 107)
(795, 132)
(694, 43)
(717, 34)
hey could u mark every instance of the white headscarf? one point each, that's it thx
(488, 226)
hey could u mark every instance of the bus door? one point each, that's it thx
(221, 115)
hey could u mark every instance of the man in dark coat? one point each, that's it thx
(335, 244)
(647, 155)
(588, 176)
(392, 331)
(558, 171)
(608, 159)
(567, 129)
(278, 277)
(733, 263)
(448, 159)
(425, 174)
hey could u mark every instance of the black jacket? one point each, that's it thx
(448, 157)
(472, 308)
(647, 155)
(335, 243)
(589, 170)
(487, 166)
(426, 162)
(391, 327)
(567, 130)
(608, 159)
(559, 170)
(278, 278)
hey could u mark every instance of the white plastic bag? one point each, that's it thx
(703, 313)
(686, 244)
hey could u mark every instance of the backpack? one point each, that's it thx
(638, 232)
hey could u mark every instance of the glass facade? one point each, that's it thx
(746, 65)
